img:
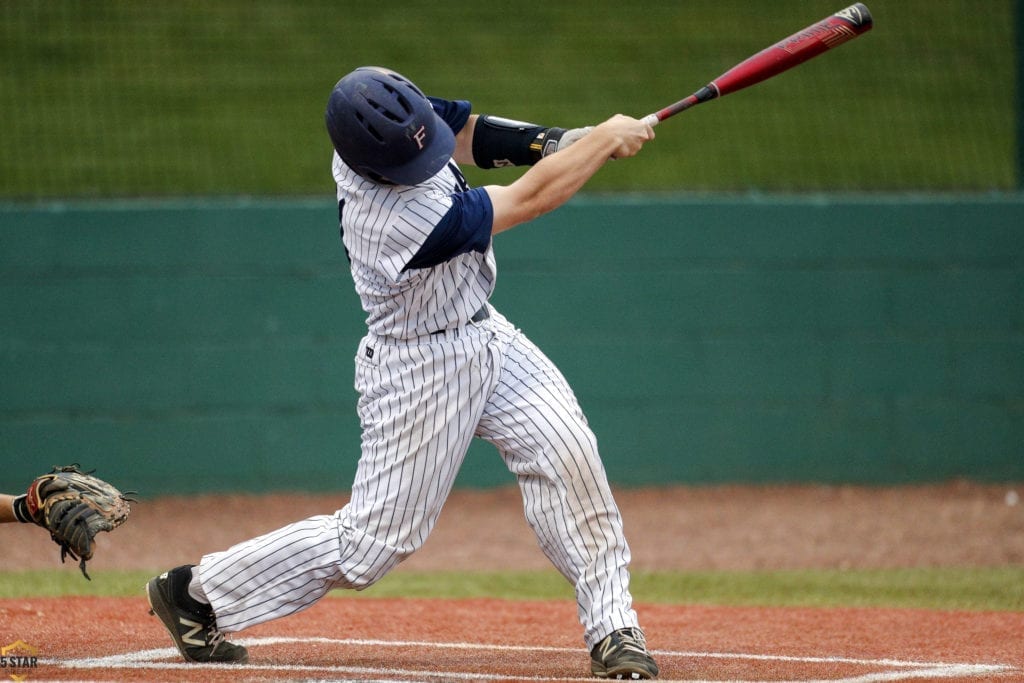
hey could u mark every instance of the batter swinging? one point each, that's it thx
(438, 367)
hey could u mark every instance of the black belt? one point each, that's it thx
(479, 316)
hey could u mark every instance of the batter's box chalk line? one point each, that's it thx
(169, 659)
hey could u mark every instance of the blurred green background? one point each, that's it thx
(128, 98)
(822, 275)
(806, 337)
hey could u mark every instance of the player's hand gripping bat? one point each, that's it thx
(798, 48)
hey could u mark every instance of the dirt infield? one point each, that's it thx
(714, 528)
(744, 528)
(437, 640)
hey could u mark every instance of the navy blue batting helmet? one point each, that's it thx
(383, 127)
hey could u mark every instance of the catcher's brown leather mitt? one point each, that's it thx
(74, 506)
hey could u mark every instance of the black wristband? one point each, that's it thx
(499, 142)
(21, 509)
(546, 142)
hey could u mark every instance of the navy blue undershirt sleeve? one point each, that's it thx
(465, 228)
(454, 112)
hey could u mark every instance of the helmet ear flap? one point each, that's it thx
(385, 128)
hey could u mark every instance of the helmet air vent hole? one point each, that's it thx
(404, 103)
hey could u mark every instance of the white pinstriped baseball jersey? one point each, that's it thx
(383, 228)
(431, 377)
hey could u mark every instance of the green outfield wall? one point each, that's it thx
(189, 346)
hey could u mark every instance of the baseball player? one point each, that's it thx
(437, 367)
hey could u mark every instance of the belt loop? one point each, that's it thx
(483, 314)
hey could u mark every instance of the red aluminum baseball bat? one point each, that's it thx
(805, 44)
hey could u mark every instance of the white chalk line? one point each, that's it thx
(151, 659)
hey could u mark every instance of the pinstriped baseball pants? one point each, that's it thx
(421, 404)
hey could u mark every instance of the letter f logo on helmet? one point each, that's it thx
(369, 115)
(420, 135)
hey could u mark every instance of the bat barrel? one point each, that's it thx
(826, 34)
(808, 43)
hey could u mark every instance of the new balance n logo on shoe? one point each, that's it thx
(195, 629)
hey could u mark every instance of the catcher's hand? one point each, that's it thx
(74, 506)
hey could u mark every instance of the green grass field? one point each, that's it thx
(122, 98)
(996, 588)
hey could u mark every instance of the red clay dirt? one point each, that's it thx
(714, 528)
(959, 524)
(404, 639)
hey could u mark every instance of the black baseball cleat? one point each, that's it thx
(623, 654)
(191, 624)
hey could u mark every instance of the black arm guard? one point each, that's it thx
(499, 142)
